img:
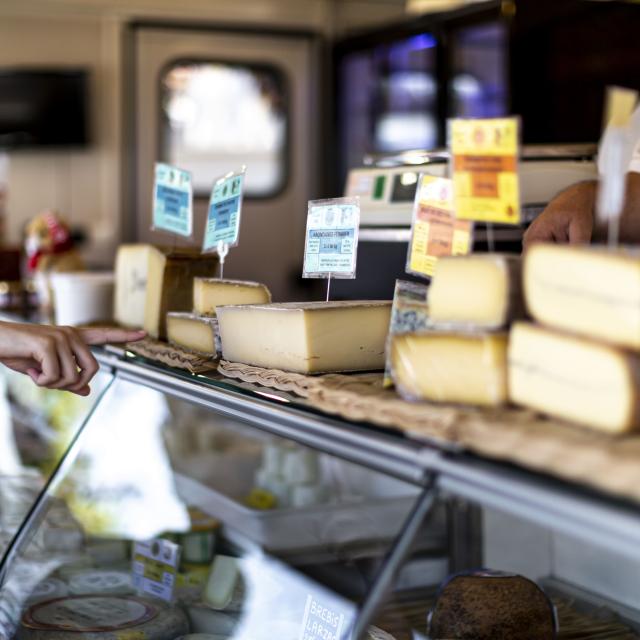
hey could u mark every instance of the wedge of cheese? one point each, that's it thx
(307, 337)
(593, 291)
(150, 281)
(593, 384)
(193, 332)
(209, 293)
(480, 291)
(451, 367)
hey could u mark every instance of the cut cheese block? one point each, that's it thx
(150, 281)
(307, 337)
(103, 618)
(209, 293)
(451, 367)
(480, 291)
(593, 291)
(193, 332)
(224, 588)
(590, 383)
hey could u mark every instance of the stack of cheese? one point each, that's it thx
(472, 301)
(582, 361)
(198, 331)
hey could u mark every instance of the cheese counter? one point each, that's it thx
(170, 505)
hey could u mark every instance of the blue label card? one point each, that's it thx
(172, 200)
(223, 218)
(331, 243)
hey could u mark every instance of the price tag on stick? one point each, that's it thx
(172, 200)
(435, 230)
(484, 167)
(331, 242)
(222, 230)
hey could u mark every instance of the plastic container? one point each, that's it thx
(82, 297)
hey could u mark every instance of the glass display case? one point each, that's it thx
(194, 504)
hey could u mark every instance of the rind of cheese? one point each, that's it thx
(194, 333)
(209, 293)
(592, 291)
(307, 337)
(481, 291)
(565, 376)
(451, 367)
(151, 281)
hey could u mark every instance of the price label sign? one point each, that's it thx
(172, 200)
(331, 242)
(484, 166)
(409, 314)
(435, 230)
(223, 218)
(321, 621)
(155, 568)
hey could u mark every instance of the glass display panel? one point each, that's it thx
(274, 539)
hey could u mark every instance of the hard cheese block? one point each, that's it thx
(451, 367)
(208, 293)
(150, 281)
(193, 332)
(593, 291)
(590, 383)
(482, 291)
(307, 337)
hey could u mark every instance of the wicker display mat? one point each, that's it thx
(607, 463)
(171, 355)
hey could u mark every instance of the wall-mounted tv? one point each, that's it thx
(43, 108)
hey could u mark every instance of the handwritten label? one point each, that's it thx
(484, 166)
(332, 238)
(155, 568)
(223, 217)
(435, 231)
(172, 200)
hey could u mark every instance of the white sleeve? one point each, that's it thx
(634, 165)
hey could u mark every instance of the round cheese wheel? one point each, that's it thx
(100, 581)
(102, 618)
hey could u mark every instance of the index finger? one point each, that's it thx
(98, 335)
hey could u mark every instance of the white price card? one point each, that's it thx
(172, 200)
(331, 243)
(155, 567)
(223, 217)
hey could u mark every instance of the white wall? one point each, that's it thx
(85, 185)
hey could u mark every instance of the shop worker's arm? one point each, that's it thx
(570, 216)
(56, 357)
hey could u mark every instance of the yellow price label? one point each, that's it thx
(484, 163)
(435, 231)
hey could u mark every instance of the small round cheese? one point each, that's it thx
(100, 581)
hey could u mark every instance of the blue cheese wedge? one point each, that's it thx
(307, 337)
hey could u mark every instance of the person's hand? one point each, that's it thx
(57, 357)
(569, 218)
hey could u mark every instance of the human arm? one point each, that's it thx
(570, 216)
(57, 357)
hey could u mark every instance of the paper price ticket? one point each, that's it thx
(172, 200)
(484, 166)
(223, 216)
(435, 230)
(155, 567)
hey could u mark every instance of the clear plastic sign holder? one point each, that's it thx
(222, 228)
(616, 148)
(172, 209)
(331, 239)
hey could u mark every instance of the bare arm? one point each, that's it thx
(56, 357)
(570, 216)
